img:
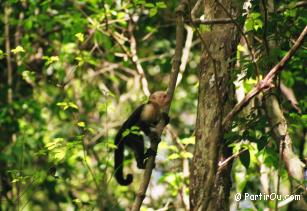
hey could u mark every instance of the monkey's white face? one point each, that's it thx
(160, 98)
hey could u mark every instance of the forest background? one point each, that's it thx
(73, 71)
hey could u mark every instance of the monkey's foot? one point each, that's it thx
(150, 152)
(141, 165)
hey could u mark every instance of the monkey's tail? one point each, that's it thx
(119, 160)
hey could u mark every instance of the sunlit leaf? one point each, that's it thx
(174, 156)
(81, 124)
(17, 50)
(80, 37)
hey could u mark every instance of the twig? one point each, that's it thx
(196, 9)
(298, 4)
(226, 161)
(266, 82)
(88, 166)
(213, 21)
(172, 84)
(185, 53)
(106, 20)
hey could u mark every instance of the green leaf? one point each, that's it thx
(81, 124)
(28, 76)
(80, 37)
(111, 145)
(149, 5)
(187, 141)
(174, 156)
(125, 133)
(78, 201)
(241, 48)
(66, 105)
(51, 59)
(153, 12)
(1, 54)
(135, 127)
(186, 155)
(17, 50)
(15, 180)
(140, 2)
(161, 5)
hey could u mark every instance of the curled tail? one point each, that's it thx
(118, 161)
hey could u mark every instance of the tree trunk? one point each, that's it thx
(209, 189)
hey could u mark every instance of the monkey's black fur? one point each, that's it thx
(135, 141)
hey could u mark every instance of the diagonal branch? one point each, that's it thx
(213, 21)
(267, 81)
(172, 84)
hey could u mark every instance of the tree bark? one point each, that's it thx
(209, 189)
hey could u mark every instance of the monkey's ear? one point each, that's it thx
(153, 97)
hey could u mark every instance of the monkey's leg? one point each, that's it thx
(136, 143)
(150, 152)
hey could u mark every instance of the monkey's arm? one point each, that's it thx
(154, 136)
(165, 118)
(134, 118)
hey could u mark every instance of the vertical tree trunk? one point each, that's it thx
(209, 189)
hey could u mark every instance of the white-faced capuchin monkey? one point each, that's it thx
(144, 119)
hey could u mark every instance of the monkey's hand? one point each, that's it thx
(165, 118)
(150, 152)
(154, 137)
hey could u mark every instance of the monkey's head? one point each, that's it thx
(160, 98)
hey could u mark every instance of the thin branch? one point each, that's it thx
(196, 9)
(213, 21)
(266, 82)
(172, 84)
(106, 20)
(227, 160)
(185, 53)
(7, 12)
(156, 56)
(298, 4)
(135, 58)
(249, 47)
